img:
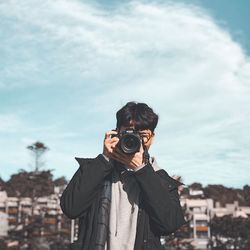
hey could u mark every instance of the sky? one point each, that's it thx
(66, 67)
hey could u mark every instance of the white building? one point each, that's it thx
(4, 225)
(231, 209)
(199, 212)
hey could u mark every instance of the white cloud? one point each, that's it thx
(172, 56)
(10, 123)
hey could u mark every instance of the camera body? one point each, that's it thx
(129, 141)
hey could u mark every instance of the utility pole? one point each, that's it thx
(72, 235)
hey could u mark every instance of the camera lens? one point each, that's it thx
(130, 143)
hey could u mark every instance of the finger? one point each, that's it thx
(145, 132)
(121, 156)
(114, 140)
(119, 152)
(141, 149)
(129, 156)
(109, 133)
(146, 135)
(113, 146)
(125, 159)
(117, 158)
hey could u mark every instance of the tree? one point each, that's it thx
(3, 245)
(61, 181)
(2, 184)
(38, 149)
(196, 186)
(230, 233)
(224, 195)
(246, 193)
(28, 184)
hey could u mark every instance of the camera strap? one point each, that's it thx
(146, 155)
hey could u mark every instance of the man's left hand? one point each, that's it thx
(133, 161)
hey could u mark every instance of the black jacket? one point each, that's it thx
(160, 212)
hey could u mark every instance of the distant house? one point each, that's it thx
(231, 209)
(4, 224)
(198, 212)
(194, 192)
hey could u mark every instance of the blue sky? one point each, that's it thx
(66, 67)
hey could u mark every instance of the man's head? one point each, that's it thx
(140, 117)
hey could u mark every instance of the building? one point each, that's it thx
(4, 225)
(199, 214)
(17, 212)
(232, 209)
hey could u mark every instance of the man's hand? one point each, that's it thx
(133, 161)
(110, 143)
(111, 150)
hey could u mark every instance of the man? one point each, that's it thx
(123, 201)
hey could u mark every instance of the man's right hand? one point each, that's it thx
(109, 143)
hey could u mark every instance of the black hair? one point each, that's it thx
(139, 114)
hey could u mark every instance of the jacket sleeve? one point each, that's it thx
(161, 199)
(84, 185)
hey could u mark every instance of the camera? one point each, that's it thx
(129, 141)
